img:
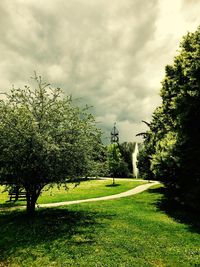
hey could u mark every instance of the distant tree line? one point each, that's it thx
(119, 160)
(171, 149)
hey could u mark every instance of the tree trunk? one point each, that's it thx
(32, 194)
(30, 208)
(17, 192)
(30, 201)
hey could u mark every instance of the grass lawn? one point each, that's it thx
(86, 189)
(125, 232)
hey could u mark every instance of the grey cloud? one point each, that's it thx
(104, 52)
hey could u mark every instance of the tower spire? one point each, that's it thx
(114, 135)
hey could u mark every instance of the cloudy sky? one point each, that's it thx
(110, 53)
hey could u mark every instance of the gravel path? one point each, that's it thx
(131, 192)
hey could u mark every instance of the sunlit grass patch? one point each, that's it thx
(86, 189)
(130, 231)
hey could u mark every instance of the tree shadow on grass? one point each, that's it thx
(20, 232)
(112, 185)
(176, 211)
(11, 204)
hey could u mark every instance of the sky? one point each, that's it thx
(111, 54)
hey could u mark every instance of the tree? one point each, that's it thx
(44, 138)
(174, 143)
(181, 98)
(157, 130)
(126, 150)
(117, 167)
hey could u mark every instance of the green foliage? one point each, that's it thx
(144, 164)
(116, 165)
(126, 150)
(122, 170)
(44, 138)
(114, 158)
(100, 165)
(172, 145)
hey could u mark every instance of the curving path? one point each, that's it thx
(130, 192)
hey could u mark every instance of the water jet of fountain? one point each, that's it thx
(134, 161)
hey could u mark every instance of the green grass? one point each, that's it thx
(125, 232)
(86, 189)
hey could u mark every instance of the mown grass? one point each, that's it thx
(130, 231)
(86, 189)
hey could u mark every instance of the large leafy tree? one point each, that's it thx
(44, 138)
(174, 143)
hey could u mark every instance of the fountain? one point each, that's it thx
(134, 160)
